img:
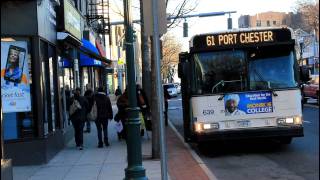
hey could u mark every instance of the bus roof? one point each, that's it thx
(241, 37)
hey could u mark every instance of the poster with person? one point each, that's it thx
(15, 78)
(248, 103)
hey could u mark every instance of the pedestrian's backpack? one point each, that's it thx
(74, 107)
(92, 116)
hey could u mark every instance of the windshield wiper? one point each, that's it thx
(216, 85)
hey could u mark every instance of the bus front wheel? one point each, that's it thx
(285, 140)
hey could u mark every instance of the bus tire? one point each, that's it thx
(286, 140)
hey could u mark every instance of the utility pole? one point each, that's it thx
(134, 170)
(145, 57)
(159, 91)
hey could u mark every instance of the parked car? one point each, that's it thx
(311, 89)
(172, 90)
(177, 85)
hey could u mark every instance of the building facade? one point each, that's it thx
(265, 19)
(50, 41)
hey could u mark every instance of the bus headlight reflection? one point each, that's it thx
(198, 127)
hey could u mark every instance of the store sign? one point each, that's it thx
(51, 13)
(72, 20)
(15, 79)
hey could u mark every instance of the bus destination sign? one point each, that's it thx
(241, 38)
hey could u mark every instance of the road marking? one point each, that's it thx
(174, 108)
(311, 105)
(174, 99)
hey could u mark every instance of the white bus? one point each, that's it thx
(242, 84)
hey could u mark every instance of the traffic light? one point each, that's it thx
(229, 23)
(185, 29)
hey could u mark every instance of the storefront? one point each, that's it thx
(30, 98)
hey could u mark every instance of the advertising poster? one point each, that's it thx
(15, 79)
(248, 103)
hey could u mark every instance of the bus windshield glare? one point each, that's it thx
(243, 70)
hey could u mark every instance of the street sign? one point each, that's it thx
(148, 17)
(120, 61)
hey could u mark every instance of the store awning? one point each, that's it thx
(66, 63)
(68, 38)
(100, 49)
(90, 54)
(85, 58)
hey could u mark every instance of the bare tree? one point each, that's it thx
(309, 11)
(181, 9)
(170, 55)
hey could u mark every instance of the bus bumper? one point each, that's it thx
(250, 133)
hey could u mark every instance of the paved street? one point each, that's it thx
(262, 160)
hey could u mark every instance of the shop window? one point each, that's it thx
(49, 75)
(16, 88)
(284, 22)
(65, 81)
(274, 22)
(258, 23)
(268, 23)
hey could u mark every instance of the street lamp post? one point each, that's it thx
(135, 170)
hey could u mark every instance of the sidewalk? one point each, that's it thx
(108, 163)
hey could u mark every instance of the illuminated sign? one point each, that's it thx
(249, 38)
(242, 38)
(72, 20)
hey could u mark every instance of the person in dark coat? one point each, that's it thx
(166, 104)
(118, 91)
(104, 111)
(89, 95)
(122, 104)
(78, 117)
(143, 104)
(68, 100)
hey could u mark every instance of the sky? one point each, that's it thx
(219, 23)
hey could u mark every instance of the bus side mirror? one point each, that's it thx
(180, 70)
(183, 57)
(305, 74)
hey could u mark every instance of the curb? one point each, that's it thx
(203, 166)
(311, 105)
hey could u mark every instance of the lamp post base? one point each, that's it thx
(6, 169)
(135, 173)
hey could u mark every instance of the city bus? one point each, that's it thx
(242, 84)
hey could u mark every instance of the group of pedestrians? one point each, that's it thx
(123, 104)
(81, 106)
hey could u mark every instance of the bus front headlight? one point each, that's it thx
(296, 120)
(199, 127)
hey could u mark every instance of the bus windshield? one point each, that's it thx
(216, 72)
(243, 70)
(271, 70)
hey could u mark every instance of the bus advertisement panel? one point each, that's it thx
(248, 103)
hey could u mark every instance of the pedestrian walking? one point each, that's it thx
(104, 109)
(118, 92)
(143, 104)
(122, 116)
(68, 101)
(89, 95)
(166, 104)
(78, 111)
